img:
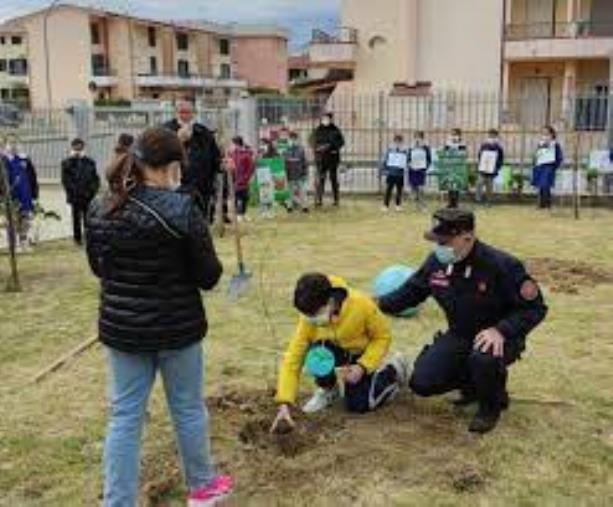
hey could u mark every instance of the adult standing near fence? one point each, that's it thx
(548, 160)
(81, 183)
(328, 141)
(203, 164)
(152, 250)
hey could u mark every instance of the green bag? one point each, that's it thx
(270, 183)
(452, 170)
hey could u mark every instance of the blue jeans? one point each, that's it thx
(131, 380)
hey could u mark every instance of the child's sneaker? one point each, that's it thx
(384, 209)
(398, 209)
(322, 398)
(217, 490)
(400, 363)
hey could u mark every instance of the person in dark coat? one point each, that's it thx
(548, 160)
(81, 184)
(491, 303)
(203, 165)
(151, 249)
(328, 141)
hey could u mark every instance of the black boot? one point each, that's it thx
(485, 419)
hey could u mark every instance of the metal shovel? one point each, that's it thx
(241, 281)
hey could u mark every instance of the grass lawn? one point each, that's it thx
(553, 447)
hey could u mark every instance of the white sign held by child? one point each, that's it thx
(419, 159)
(397, 159)
(488, 162)
(266, 184)
(546, 155)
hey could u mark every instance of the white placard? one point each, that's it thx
(546, 155)
(397, 159)
(600, 160)
(419, 159)
(488, 162)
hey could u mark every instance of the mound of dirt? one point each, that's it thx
(568, 277)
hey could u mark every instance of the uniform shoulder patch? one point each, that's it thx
(529, 290)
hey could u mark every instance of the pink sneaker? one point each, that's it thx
(217, 490)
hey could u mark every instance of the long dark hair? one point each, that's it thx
(155, 149)
(124, 143)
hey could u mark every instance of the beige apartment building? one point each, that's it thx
(73, 54)
(539, 55)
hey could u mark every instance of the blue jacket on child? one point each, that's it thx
(544, 172)
(22, 181)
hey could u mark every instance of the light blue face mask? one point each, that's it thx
(445, 254)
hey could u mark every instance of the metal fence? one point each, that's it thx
(45, 136)
(370, 121)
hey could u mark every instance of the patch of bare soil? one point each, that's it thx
(404, 444)
(568, 277)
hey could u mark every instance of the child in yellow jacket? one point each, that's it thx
(338, 328)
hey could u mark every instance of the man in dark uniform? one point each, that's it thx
(491, 304)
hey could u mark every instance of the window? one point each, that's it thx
(16, 40)
(183, 68)
(224, 46)
(18, 67)
(151, 33)
(2, 41)
(153, 65)
(4, 93)
(3, 65)
(227, 92)
(95, 33)
(225, 71)
(182, 42)
(99, 67)
(21, 93)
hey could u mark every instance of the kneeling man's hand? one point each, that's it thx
(490, 339)
(354, 374)
(283, 423)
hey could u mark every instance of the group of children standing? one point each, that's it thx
(243, 167)
(403, 163)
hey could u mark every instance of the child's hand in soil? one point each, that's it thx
(283, 423)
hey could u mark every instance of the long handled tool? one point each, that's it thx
(241, 281)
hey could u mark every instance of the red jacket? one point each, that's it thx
(244, 162)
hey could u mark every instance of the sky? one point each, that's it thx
(300, 16)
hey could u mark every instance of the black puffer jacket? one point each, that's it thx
(152, 257)
(80, 179)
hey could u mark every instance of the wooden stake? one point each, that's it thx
(64, 359)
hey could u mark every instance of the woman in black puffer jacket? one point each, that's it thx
(152, 251)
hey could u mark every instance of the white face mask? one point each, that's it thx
(322, 318)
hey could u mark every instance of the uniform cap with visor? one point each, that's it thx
(450, 222)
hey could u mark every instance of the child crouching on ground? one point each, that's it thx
(342, 328)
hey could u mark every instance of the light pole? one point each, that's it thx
(47, 55)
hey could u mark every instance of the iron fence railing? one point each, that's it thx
(557, 30)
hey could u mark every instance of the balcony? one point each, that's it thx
(187, 81)
(170, 81)
(334, 50)
(104, 77)
(579, 39)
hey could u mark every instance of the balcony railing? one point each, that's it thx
(187, 80)
(103, 72)
(550, 30)
(343, 35)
